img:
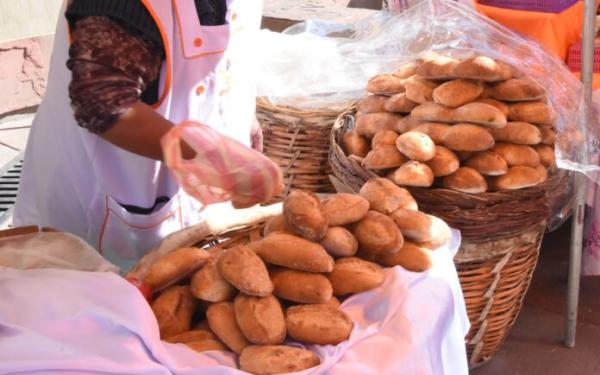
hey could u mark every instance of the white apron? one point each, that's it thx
(77, 182)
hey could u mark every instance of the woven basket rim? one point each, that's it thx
(264, 103)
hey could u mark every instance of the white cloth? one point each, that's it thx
(58, 322)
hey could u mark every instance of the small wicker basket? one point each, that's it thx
(298, 141)
(502, 232)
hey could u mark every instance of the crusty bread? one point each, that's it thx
(517, 154)
(517, 90)
(480, 113)
(386, 197)
(434, 130)
(457, 92)
(369, 124)
(266, 360)
(278, 224)
(542, 172)
(538, 113)
(385, 84)
(293, 252)
(320, 324)
(413, 173)
(546, 153)
(355, 144)
(222, 321)
(464, 155)
(384, 157)
(414, 225)
(377, 234)
(174, 266)
(522, 133)
(384, 138)
(435, 66)
(303, 211)
(260, 319)
(355, 275)
(482, 68)
(416, 146)
(419, 90)
(433, 112)
(407, 124)
(444, 163)
(548, 136)
(339, 242)
(191, 336)
(487, 163)
(205, 345)
(411, 257)
(468, 137)
(334, 302)
(242, 268)
(407, 70)
(502, 107)
(174, 309)
(399, 103)
(301, 287)
(209, 285)
(372, 104)
(517, 177)
(466, 180)
(342, 208)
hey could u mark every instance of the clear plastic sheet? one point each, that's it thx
(324, 64)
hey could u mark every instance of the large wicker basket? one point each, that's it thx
(298, 141)
(502, 233)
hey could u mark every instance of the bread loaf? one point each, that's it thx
(318, 324)
(440, 234)
(434, 130)
(502, 107)
(466, 180)
(174, 309)
(517, 154)
(399, 103)
(303, 211)
(278, 224)
(294, 252)
(377, 234)
(533, 112)
(482, 68)
(419, 90)
(384, 138)
(174, 266)
(334, 302)
(480, 113)
(518, 132)
(407, 124)
(354, 275)
(407, 70)
(384, 157)
(339, 242)
(435, 66)
(266, 360)
(487, 163)
(372, 104)
(416, 146)
(414, 225)
(385, 84)
(342, 208)
(242, 268)
(542, 172)
(301, 287)
(457, 92)
(411, 257)
(355, 144)
(464, 155)
(260, 319)
(191, 336)
(433, 112)
(205, 345)
(444, 162)
(386, 197)
(517, 90)
(548, 136)
(412, 173)
(369, 124)
(546, 154)
(209, 285)
(518, 177)
(467, 137)
(222, 321)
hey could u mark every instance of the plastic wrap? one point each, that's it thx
(336, 61)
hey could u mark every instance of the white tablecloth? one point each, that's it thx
(71, 322)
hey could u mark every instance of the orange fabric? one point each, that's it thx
(596, 80)
(557, 32)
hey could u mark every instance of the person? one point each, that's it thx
(122, 74)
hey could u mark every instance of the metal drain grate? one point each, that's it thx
(10, 174)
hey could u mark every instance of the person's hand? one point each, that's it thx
(256, 136)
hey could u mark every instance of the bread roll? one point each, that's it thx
(369, 124)
(342, 208)
(355, 144)
(202, 326)
(372, 104)
(495, 103)
(205, 345)
(444, 162)
(174, 309)
(521, 133)
(546, 154)
(414, 225)
(419, 90)
(191, 336)
(266, 360)
(339, 242)
(482, 68)
(303, 210)
(466, 180)
(278, 224)
(533, 112)
(440, 234)
(407, 70)
(411, 257)
(399, 103)
(334, 302)
(386, 197)
(464, 155)
(548, 136)
(416, 146)
(318, 324)
(209, 285)
(480, 113)
(260, 319)
(354, 275)
(467, 137)
(542, 172)
(377, 234)
(488, 163)
(222, 321)
(294, 252)
(385, 84)
(384, 138)
(384, 157)
(435, 66)
(433, 112)
(517, 90)
(434, 130)
(413, 173)
(518, 177)
(458, 92)
(175, 266)
(301, 287)
(517, 154)
(242, 268)
(407, 124)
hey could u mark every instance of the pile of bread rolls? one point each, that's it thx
(471, 125)
(250, 298)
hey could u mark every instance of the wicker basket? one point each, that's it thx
(298, 141)
(502, 232)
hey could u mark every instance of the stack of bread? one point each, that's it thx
(471, 125)
(248, 299)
